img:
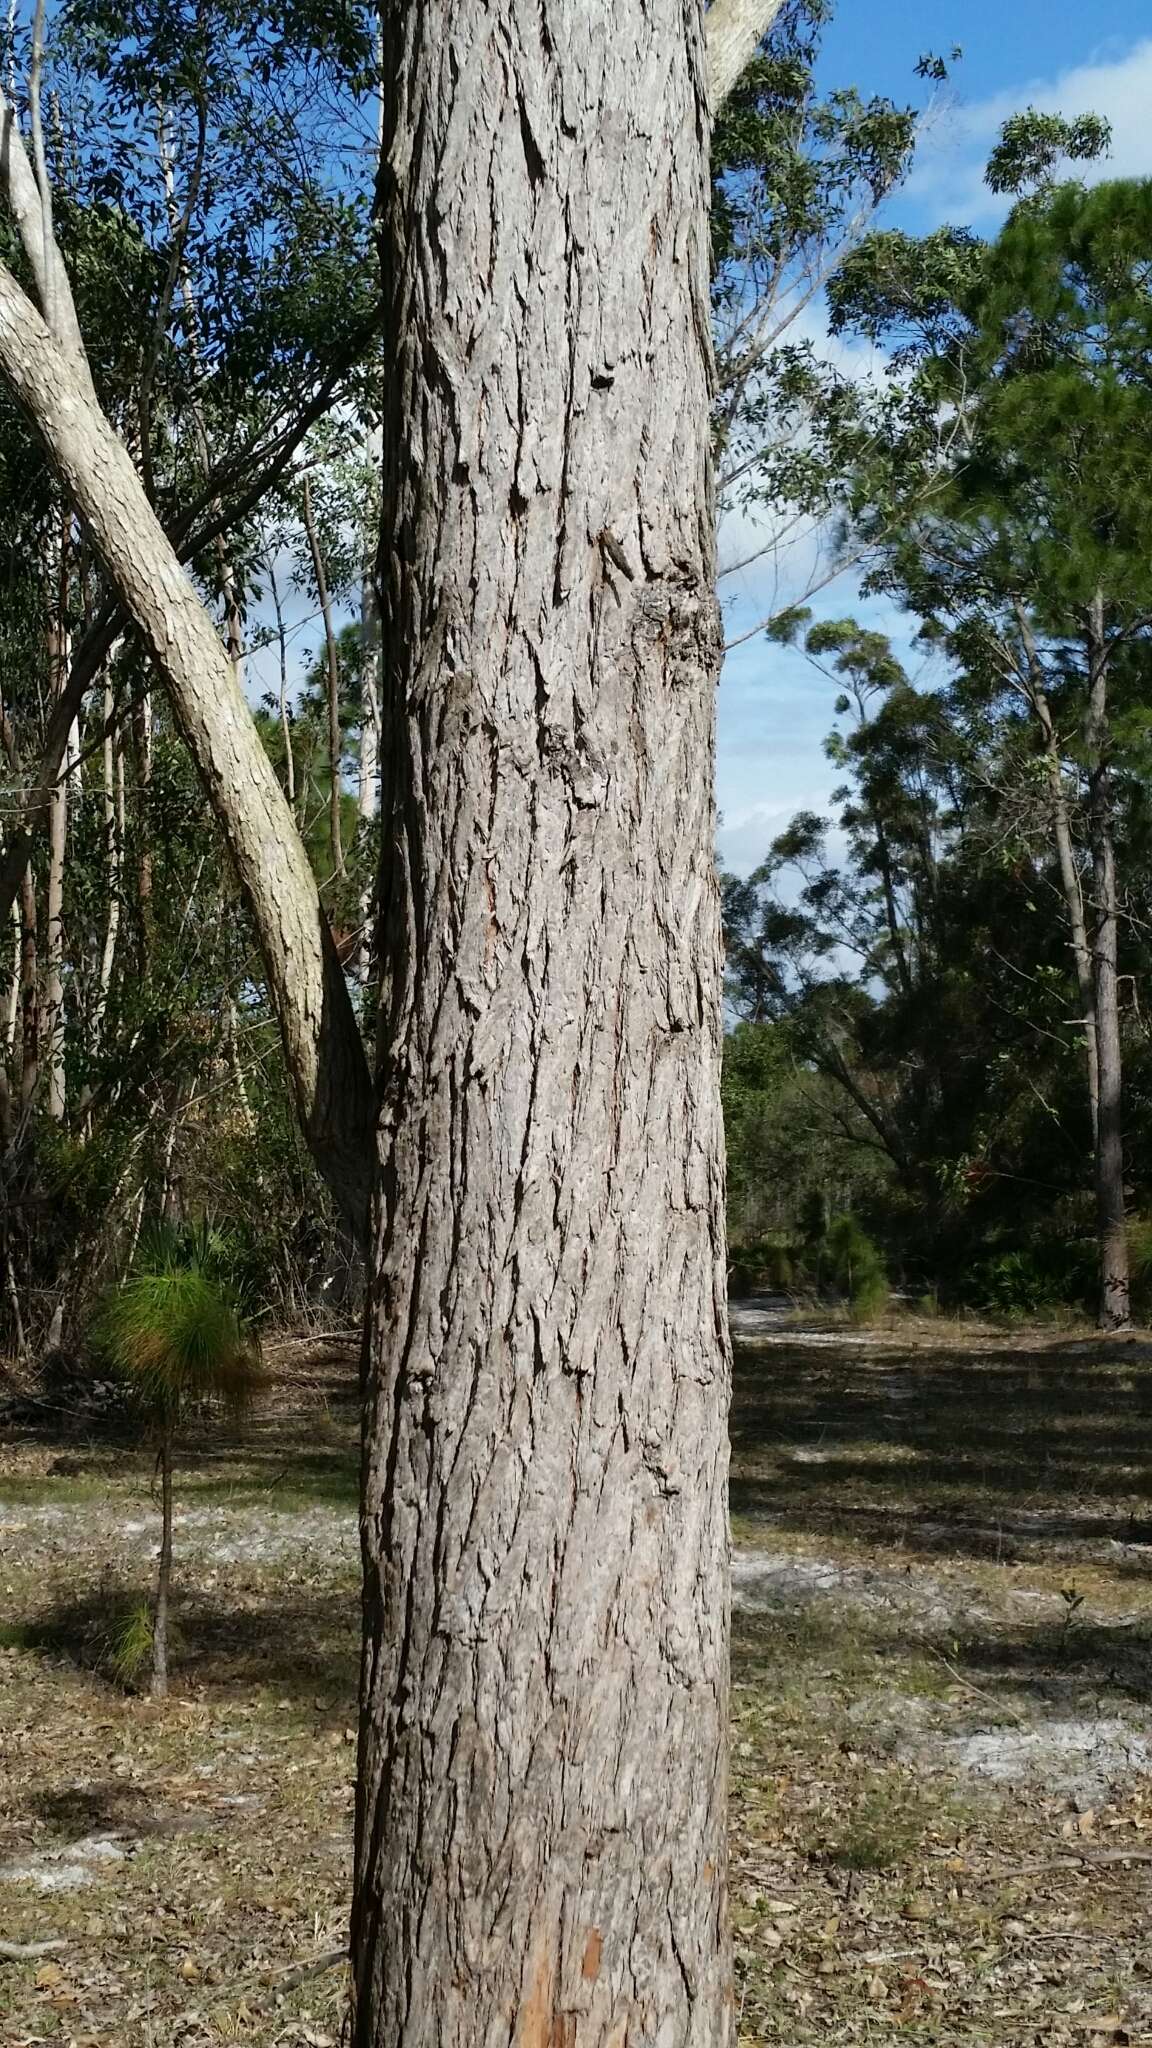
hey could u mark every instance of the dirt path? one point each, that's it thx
(942, 1818)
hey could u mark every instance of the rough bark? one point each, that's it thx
(1111, 1218)
(324, 1056)
(541, 1820)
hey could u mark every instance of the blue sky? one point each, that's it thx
(775, 710)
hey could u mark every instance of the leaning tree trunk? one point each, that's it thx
(541, 1820)
(323, 1051)
(1111, 1220)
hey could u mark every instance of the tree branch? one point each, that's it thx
(733, 30)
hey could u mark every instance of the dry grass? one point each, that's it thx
(910, 1512)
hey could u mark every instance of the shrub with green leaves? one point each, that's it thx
(856, 1266)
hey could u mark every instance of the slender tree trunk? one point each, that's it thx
(368, 791)
(1066, 858)
(163, 1573)
(52, 1009)
(335, 749)
(142, 751)
(1111, 1220)
(285, 718)
(114, 823)
(53, 1004)
(541, 1829)
(12, 997)
(29, 990)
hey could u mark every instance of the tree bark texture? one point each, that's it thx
(1111, 1218)
(541, 1820)
(324, 1056)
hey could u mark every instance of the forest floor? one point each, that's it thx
(942, 1815)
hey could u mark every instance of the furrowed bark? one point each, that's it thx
(325, 1059)
(541, 1820)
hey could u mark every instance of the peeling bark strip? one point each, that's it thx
(541, 1820)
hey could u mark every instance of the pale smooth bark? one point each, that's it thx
(368, 787)
(325, 1059)
(12, 997)
(285, 709)
(332, 663)
(541, 1828)
(53, 1004)
(1066, 860)
(1111, 1216)
(29, 988)
(113, 804)
(733, 29)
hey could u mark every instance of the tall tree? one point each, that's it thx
(541, 1837)
(541, 1823)
(1032, 564)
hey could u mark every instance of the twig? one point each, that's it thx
(1072, 1860)
(315, 1968)
(989, 1698)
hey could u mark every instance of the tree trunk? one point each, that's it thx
(53, 1005)
(285, 712)
(1066, 858)
(368, 792)
(52, 1009)
(142, 750)
(541, 1820)
(735, 28)
(29, 990)
(323, 1052)
(332, 656)
(1111, 1220)
(112, 766)
(163, 1574)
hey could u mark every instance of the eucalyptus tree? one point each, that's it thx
(1030, 565)
(544, 1697)
(799, 176)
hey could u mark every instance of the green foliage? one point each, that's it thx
(856, 1266)
(174, 1331)
(126, 1650)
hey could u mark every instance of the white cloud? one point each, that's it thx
(949, 176)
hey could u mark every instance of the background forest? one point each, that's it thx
(937, 1068)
